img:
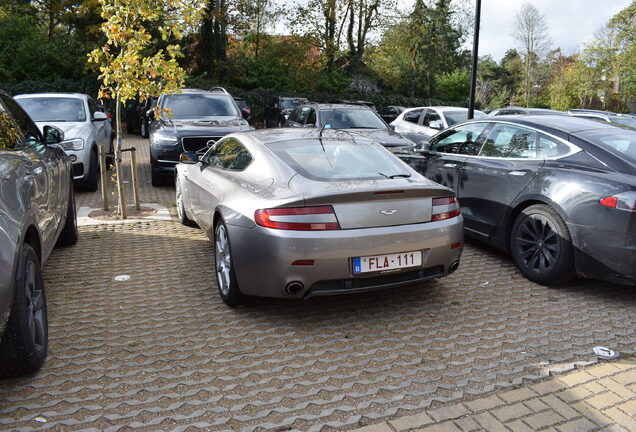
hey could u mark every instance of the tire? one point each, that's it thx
(541, 246)
(181, 213)
(224, 268)
(69, 234)
(143, 129)
(110, 160)
(25, 341)
(91, 182)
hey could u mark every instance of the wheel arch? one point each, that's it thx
(522, 205)
(32, 238)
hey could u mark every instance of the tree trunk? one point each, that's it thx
(118, 168)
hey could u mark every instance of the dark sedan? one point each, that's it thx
(558, 193)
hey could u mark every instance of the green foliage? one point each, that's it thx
(454, 85)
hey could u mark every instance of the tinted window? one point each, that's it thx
(433, 119)
(338, 159)
(311, 118)
(293, 117)
(625, 121)
(460, 140)
(454, 117)
(510, 141)
(9, 135)
(29, 131)
(351, 118)
(413, 116)
(54, 109)
(618, 141)
(93, 107)
(200, 105)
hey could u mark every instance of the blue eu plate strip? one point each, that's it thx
(356, 265)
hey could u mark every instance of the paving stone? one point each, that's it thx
(511, 412)
(410, 422)
(380, 427)
(604, 400)
(519, 426)
(603, 370)
(447, 426)
(547, 387)
(617, 388)
(578, 425)
(467, 424)
(517, 395)
(576, 378)
(595, 387)
(544, 419)
(628, 408)
(490, 423)
(574, 394)
(592, 414)
(449, 412)
(626, 378)
(536, 405)
(562, 408)
(624, 420)
(484, 403)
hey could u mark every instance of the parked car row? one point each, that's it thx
(37, 211)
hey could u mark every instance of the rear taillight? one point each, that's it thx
(298, 218)
(621, 201)
(445, 208)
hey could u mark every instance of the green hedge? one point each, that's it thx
(86, 85)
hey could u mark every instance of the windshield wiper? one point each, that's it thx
(394, 176)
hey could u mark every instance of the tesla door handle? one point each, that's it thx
(517, 173)
(450, 165)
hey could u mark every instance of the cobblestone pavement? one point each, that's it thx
(162, 352)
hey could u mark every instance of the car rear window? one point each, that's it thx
(454, 117)
(54, 109)
(350, 118)
(621, 142)
(199, 105)
(338, 159)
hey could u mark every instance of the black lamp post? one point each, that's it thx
(473, 74)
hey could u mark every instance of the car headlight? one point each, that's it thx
(163, 140)
(74, 144)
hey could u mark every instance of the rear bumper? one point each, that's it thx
(263, 257)
(605, 254)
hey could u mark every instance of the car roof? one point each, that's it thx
(43, 95)
(440, 107)
(335, 105)
(551, 123)
(267, 136)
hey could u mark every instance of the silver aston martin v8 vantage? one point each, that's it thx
(298, 213)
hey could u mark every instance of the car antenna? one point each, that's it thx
(322, 128)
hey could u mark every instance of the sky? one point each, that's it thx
(570, 22)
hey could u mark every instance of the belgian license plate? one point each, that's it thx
(378, 263)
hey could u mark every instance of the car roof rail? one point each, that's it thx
(218, 89)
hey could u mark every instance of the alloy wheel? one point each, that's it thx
(538, 243)
(35, 306)
(223, 259)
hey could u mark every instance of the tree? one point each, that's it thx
(531, 33)
(127, 68)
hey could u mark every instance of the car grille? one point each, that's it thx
(198, 144)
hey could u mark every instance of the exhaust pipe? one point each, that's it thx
(294, 288)
(453, 266)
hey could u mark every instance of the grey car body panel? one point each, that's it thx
(33, 196)
(268, 182)
(604, 239)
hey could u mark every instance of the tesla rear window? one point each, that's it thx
(351, 118)
(338, 160)
(618, 141)
(54, 109)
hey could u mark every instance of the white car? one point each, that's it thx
(419, 124)
(85, 127)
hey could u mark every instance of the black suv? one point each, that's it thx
(278, 110)
(190, 121)
(136, 116)
(354, 118)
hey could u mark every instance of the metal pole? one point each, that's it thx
(133, 161)
(102, 169)
(473, 75)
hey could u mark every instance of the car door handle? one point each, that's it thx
(450, 165)
(517, 173)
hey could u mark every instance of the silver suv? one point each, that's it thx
(85, 126)
(37, 210)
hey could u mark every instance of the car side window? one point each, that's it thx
(9, 134)
(228, 154)
(432, 119)
(311, 117)
(550, 147)
(302, 115)
(460, 140)
(29, 132)
(413, 116)
(510, 141)
(93, 107)
(294, 115)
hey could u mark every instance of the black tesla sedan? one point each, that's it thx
(558, 193)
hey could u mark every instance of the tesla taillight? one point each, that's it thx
(621, 201)
(445, 208)
(298, 218)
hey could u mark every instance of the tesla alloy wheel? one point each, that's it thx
(225, 277)
(181, 213)
(541, 246)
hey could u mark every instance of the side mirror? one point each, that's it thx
(246, 113)
(392, 127)
(99, 116)
(424, 148)
(435, 125)
(53, 135)
(150, 114)
(189, 158)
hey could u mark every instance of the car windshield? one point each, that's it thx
(290, 104)
(54, 109)
(200, 105)
(618, 141)
(350, 118)
(338, 159)
(454, 117)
